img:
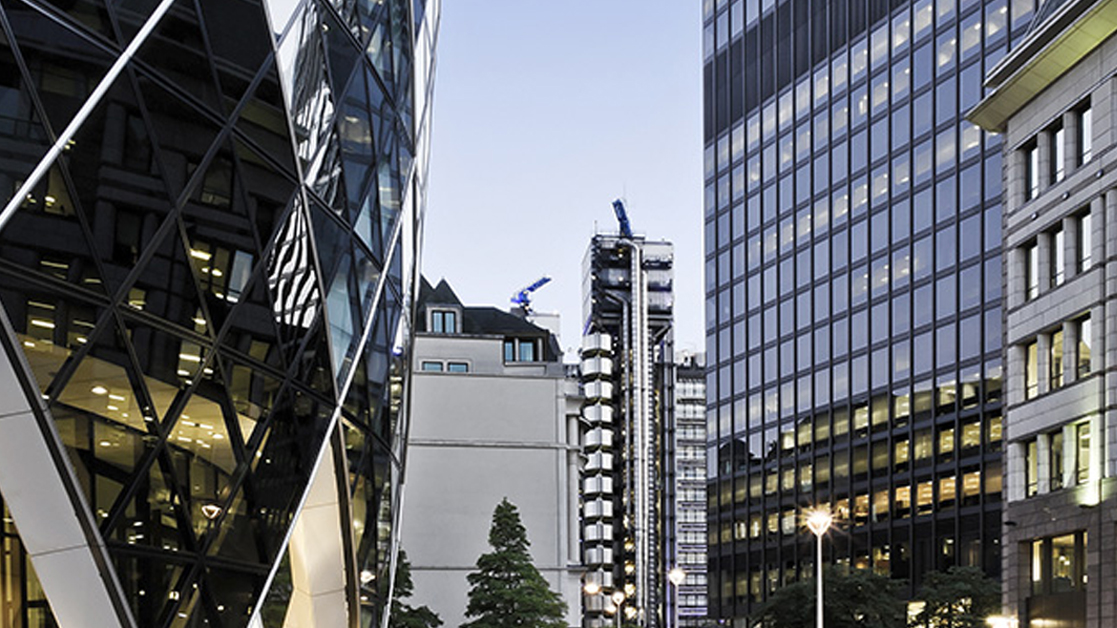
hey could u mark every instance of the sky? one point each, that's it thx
(544, 113)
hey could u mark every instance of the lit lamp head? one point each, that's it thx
(592, 588)
(819, 521)
(676, 576)
(618, 597)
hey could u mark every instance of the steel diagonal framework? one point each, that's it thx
(207, 266)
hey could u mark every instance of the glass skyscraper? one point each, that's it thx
(207, 264)
(853, 288)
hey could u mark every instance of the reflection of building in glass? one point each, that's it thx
(1051, 99)
(853, 276)
(494, 415)
(685, 520)
(207, 262)
(627, 374)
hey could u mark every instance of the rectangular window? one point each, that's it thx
(1032, 269)
(1058, 564)
(432, 366)
(1085, 135)
(509, 350)
(1057, 460)
(1085, 340)
(1058, 153)
(1058, 257)
(1031, 371)
(443, 322)
(1085, 242)
(1082, 452)
(1031, 468)
(457, 367)
(1032, 175)
(527, 351)
(1065, 564)
(1057, 359)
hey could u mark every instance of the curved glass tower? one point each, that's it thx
(207, 264)
(853, 285)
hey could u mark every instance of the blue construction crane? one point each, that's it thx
(523, 297)
(622, 217)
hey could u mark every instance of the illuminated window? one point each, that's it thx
(1085, 135)
(1058, 257)
(1058, 152)
(1031, 165)
(1059, 564)
(1031, 469)
(1085, 340)
(1082, 452)
(1031, 270)
(1057, 359)
(1085, 242)
(1031, 371)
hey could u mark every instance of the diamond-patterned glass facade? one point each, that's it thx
(210, 281)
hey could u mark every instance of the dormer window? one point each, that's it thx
(521, 350)
(444, 321)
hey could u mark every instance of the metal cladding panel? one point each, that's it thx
(206, 259)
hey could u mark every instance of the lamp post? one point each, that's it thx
(819, 522)
(618, 601)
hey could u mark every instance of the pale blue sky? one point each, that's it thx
(544, 112)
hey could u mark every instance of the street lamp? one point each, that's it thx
(618, 601)
(819, 522)
(676, 577)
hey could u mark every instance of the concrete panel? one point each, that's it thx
(75, 588)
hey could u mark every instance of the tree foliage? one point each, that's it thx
(507, 591)
(962, 597)
(858, 599)
(404, 615)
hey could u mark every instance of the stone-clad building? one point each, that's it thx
(1052, 98)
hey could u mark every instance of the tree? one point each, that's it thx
(507, 591)
(963, 597)
(859, 599)
(404, 615)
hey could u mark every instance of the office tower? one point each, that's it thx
(853, 284)
(207, 263)
(494, 414)
(1052, 100)
(627, 370)
(686, 495)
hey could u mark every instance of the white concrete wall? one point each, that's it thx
(476, 438)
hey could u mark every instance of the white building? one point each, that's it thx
(493, 416)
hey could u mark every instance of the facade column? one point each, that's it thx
(1017, 271)
(1016, 471)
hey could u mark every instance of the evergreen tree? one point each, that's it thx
(507, 591)
(404, 615)
(963, 597)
